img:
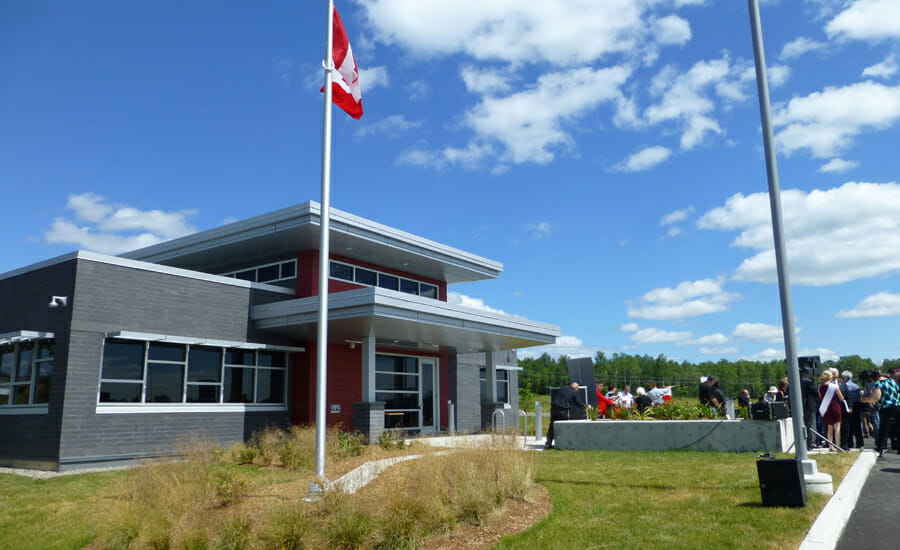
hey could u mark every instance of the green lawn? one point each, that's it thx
(675, 499)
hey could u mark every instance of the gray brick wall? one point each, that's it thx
(24, 303)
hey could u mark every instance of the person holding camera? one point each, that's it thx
(886, 396)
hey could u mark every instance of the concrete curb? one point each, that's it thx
(826, 531)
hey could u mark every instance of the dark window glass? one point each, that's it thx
(401, 420)
(428, 291)
(202, 393)
(365, 277)
(45, 349)
(249, 275)
(409, 287)
(23, 373)
(20, 394)
(271, 359)
(388, 281)
(164, 383)
(7, 363)
(240, 357)
(394, 400)
(120, 392)
(288, 269)
(4, 395)
(268, 273)
(503, 391)
(204, 364)
(389, 363)
(238, 385)
(396, 382)
(123, 360)
(42, 390)
(166, 352)
(270, 387)
(341, 271)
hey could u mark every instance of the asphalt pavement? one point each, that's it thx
(873, 521)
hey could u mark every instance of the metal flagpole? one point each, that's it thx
(324, 254)
(784, 285)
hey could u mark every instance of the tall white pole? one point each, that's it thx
(784, 285)
(324, 254)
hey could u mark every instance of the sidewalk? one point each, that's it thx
(873, 522)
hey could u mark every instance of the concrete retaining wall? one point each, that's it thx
(662, 435)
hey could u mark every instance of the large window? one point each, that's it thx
(367, 277)
(25, 371)
(502, 385)
(158, 372)
(267, 273)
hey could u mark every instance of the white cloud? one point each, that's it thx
(800, 46)
(854, 234)
(116, 228)
(645, 159)
(717, 339)
(540, 230)
(688, 299)
(826, 122)
(719, 351)
(469, 158)
(671, 30)
(457, 299)
(882, 304)
(686, 98)
(390, 126)
(484, 81)
(517, 32)
(529, 123)
(629, 327)
(570, 346)
(766, 355)
(838, 166)
(418, 90)
(760, 331)
(656, 336)
(869, 20)
(676, 216)
(373, 77)
(885, 69)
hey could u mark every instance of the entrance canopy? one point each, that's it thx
(402, 320)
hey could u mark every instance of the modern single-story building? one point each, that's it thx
(114, 358)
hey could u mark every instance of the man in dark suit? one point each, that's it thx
(563, 405)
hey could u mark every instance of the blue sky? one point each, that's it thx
(608, 153)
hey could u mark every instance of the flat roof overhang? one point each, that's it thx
(402, 321)
(281, 234)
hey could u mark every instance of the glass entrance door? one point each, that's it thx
(408, 387)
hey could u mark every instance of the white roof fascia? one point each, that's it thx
(147, 266)
(379, 301)
(309, 213)
(24, 336)
(173, 339)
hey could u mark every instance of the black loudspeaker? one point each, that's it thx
(778, 410)
(581, 370)
(810, 364)
(760, 411)
(781, 482)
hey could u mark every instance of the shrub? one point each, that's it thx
(231, 487)
(244, 453)
(288, 529)
(347, 444)
(389, 440)
(348, 524)
(268, 442)
(235, 534)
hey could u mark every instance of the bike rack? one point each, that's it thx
(494, 422)
(524, 426)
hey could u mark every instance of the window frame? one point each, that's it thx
(35, 362)
(425, 292)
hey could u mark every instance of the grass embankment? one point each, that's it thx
(674, 499)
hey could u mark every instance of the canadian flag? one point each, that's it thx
(345, 84)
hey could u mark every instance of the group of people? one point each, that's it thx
(565, 401)
(841, 411)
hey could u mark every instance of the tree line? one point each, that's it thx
(540, 374)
